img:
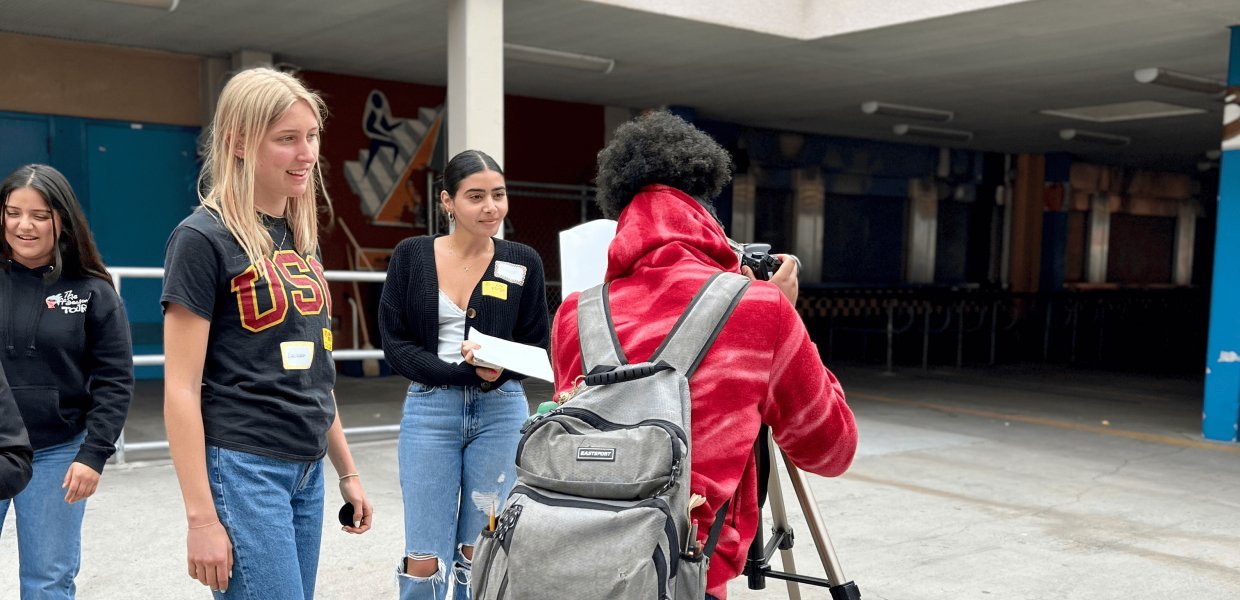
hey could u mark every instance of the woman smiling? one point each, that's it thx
(69, 363)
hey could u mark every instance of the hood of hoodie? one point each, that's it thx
(664, 227)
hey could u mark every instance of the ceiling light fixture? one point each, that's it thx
(1123, 111)
(932, 132)
(168, 5)
(874, 107)
(1178, 79)
(558, 58)
(1093, 137)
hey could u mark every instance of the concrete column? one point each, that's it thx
(809, 196)
(1099, 240)
(923, 230)
(1185, 241)
(214, 74)
(744, 194)
(1025, 255)
(1221, 412)
(245, 59)
(476, 77)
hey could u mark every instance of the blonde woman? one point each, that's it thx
(247, 333)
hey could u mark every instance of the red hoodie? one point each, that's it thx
(762, 367)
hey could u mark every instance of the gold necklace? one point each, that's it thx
(460, 259)
(470, 265)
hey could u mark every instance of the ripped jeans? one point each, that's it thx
(456, 451)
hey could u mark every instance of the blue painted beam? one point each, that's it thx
(1221, 411)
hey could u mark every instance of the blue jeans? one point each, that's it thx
(273, 512)
(457, 460)
(49, 530)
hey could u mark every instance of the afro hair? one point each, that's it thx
(660, 147)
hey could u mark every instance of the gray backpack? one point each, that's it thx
(600, 508)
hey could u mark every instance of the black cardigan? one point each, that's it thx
(409, 312)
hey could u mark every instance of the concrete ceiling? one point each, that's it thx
(994, 68)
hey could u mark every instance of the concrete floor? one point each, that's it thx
(1015, 483)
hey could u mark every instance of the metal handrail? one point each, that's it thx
(155, 360)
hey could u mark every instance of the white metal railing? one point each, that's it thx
(120, 273)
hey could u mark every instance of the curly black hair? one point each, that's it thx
(660, 147)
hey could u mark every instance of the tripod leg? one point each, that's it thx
(779, 518)
(813, 518)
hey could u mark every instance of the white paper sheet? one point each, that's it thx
(497, 352)
(583, 255)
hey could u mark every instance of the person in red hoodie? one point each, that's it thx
(660, 176)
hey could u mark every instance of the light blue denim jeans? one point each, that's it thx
(49, 530)
(457, 460)
(273, 512)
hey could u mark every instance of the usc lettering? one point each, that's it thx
(286, 268)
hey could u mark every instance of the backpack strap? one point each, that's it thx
(596, 332)
(700, 323)
(716, 528)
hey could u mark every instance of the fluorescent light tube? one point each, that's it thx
(1178, 79)
(557, 58)
(168, 5)
(932, 132)
(874, 107)
(1093, 137)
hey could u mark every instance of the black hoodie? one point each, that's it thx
(15, 452)
(65, 347)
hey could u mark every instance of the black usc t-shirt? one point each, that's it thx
(268, 373)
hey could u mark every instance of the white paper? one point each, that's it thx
(583, 255)
(497, 352)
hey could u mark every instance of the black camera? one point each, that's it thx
(758, 257)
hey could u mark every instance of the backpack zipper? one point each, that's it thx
(669, 525)
(602, 424)
(503, 526)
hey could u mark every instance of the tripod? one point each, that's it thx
(757, 564)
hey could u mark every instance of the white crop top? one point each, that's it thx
(451, 330)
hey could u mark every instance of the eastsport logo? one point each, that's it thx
(600, 454)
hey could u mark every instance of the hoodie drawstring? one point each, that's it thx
(7, 299)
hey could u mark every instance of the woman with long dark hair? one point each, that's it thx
(462, 418)
(69, 363)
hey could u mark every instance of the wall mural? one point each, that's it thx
(383, 175)
(382, 144)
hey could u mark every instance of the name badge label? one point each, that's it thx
(495, 289)
(298, 356)
(510, 272)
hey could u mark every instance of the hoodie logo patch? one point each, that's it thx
(68, 302)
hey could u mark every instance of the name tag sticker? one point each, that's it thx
(298, 356)
(327, 339)
(495, 289)
(510, 272)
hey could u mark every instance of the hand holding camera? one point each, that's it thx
(758, 263)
